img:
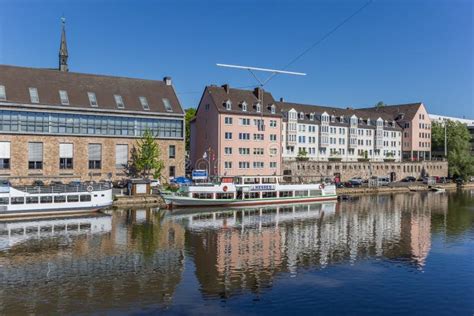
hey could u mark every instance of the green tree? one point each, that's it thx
(145, 158)
(460, 161)
(190, 113)
(380, 104)
(302, 155)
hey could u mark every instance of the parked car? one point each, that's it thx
(409, 179)
(38, 183)
(154, 183)
(56, 183)
(442, 180)
(181, 181)
(383, 181)
(356, 181)
(74, 183)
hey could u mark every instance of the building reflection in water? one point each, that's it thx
(137, 257)
(238, 250)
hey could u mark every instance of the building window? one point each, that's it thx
(172, 171)
(34, 95)
(119, 101)
(3, 94)
(301, 116)
(272, 108)
(35, 155)
(144, 103)
(95, 156)
(244, 107)
(4, 155)
(273, 164)
(172, 151)
(228, 120)
(66, 156)
(228, 164)
(228, 105)
(92, 99)
(258, 107)
(121, 156)
(167, 105)
(63, 97)
(228, 150)
(206, 107)
(228, 135)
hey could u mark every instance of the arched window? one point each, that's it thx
(228, 105)
(244, 106)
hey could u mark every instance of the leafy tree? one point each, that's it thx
(190, 113)
(145, 158)
(380, 104)
(460, 161)
(302, 154)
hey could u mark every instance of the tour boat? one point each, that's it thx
(57, 199)
(249, 190)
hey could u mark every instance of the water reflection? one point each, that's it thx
(137, 257)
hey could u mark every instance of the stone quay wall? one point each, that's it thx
(315, 170)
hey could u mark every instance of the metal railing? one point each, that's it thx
(65, 188)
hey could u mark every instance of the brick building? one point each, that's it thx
(60, 125)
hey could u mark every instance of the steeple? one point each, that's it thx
(63, 55)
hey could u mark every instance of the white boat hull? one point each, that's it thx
(182, 201)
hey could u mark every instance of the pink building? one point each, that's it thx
(416, 124)
(236, 132)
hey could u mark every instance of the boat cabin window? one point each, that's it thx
(224, 196)
(301, 193)
(266, 195)
(252, 195)
(46, 199)
(3, 200)
(286, 193)
(202, 195)
(60, 199)
(32, 200)
(17, 200)
(86, 198)
(73, 198)
(269, 180)
(315, 193)
(251, 180)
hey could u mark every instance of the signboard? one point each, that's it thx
(199, 174)
(263, 187)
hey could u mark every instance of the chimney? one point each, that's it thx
(167, 81)
(258, 93)
(282, 100)
(226, 88)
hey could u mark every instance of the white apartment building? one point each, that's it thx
(323, 134)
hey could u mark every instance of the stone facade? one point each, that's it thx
(314, 171)
(20, 174)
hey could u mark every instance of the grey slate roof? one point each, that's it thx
(18, 80)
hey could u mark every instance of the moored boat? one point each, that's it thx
(58, 199)
(249, 190)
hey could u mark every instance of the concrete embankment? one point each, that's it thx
(401, 189)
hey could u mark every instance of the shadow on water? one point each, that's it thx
(135, 259)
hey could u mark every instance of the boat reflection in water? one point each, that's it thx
(17, 231)
(161, 259)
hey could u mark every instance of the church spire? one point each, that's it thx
(63, 55)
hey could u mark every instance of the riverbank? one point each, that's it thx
(153, 200)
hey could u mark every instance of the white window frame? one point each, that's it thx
(119, 101)
(92, 99)
(34, 96)
(3, 93)
(144, 103)
(63, 97)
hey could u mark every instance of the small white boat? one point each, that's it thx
(438, 189)
(249, 190)
(58, 199)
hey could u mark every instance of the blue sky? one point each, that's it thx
(397, 51)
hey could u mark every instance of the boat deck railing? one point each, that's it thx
(65, 188)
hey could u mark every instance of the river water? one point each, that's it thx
(390, 254)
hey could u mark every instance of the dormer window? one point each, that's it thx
(228, 105)
(34, 97)
(119, 101)
(92, 99)
(354, 120)
(167, 105)
(368, 121)
(63, 97)
(3, 94)
(144, 103)
(244, 107)
(333, 119)
(324, 117)
(311, 116)
(393, 123)
(272, 108)
(341, 119)
(301, 116)
(258, 107)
